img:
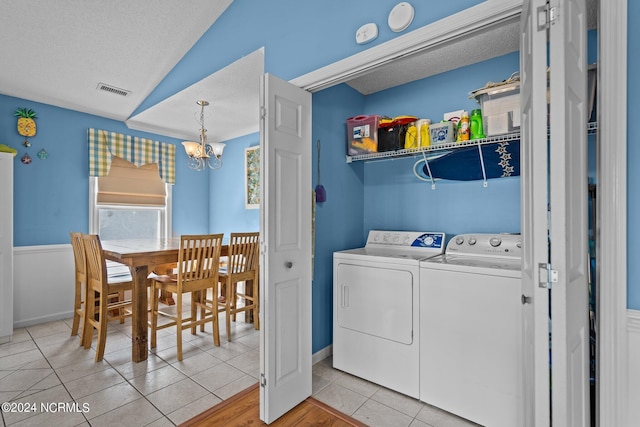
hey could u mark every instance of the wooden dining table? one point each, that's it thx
(142, 256)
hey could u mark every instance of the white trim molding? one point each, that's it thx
(611, 230)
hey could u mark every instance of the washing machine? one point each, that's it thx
(376, 323)
(470, 328)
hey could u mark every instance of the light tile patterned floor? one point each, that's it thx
(44, 364)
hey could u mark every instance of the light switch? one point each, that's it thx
(366, 33)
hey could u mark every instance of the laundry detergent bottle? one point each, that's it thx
(476, 124)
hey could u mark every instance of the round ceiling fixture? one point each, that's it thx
(400, 17)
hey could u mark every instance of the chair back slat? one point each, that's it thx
(198, 258)
(243, 252)
(78, 254)
(96, 264)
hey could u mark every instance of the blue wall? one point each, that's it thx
(359, 196)
(298, 37)
(339, 220)
(51, 197)
(227, 211)
(396, 199)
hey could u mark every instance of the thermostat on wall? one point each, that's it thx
(400, 17)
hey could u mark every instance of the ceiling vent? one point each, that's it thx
(112, 89)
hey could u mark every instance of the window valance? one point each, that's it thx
(103, 145)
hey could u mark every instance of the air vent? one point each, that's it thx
(113, 89)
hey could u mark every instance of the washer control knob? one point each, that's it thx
(472, 241)
(459, 240)
(396, 238)
(428, 240)
(495, 241)
(519, 244)
(376, 237)
(405, 240)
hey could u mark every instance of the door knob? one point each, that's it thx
(525, 299)
(288, 264)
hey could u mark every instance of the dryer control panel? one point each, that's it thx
(406, 239)
(501, 245)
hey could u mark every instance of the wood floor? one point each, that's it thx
(243, 409)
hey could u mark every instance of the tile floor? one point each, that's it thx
(45, 365)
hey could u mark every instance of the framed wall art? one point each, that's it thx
(252, 177)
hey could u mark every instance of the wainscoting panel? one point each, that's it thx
(43, 284)
(633, 328)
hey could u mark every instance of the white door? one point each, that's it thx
(568, 198)
(534, 188)
(563, 189)
(285, 267)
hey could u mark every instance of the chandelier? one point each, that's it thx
(202, 154)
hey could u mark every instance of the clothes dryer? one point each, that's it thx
(470, 328)
(376, 323)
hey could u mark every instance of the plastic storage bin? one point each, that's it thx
(442, 133)
(362, 134)
(500, 108)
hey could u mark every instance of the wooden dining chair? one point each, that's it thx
(80, 262)
(100, 292)
(198, 261)
(242, 266)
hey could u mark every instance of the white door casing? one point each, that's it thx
(6, 247)
(568, 214)
(285, 264)
(534, 189)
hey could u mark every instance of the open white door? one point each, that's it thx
(557, 248)
(568, 198)
(285, 264)
(535, 184)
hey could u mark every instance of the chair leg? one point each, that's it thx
(121, 311)
(89, 315)
(215, 324)
(256, 300)
(77, 309)
(102, 327)
(195, 299)
(154, 314)
(227, 310)
(179, 324)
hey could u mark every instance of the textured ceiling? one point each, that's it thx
(57, 52)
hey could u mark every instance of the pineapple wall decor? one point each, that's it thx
(26, 123)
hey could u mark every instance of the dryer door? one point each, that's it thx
(377, 301)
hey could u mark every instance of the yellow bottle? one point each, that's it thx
(425, 137)
(411, 137)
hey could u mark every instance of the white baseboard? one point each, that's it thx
(322, 354)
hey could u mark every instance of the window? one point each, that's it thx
(130, 181)
(112, 221)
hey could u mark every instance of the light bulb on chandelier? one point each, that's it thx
(202, 154)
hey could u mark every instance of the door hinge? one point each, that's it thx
(546, 16)
(263, 380)
(547, 275)
(263, 112)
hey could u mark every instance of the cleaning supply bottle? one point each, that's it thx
(425, 137)
(476, 124)
(411, 137)
(463, 129)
